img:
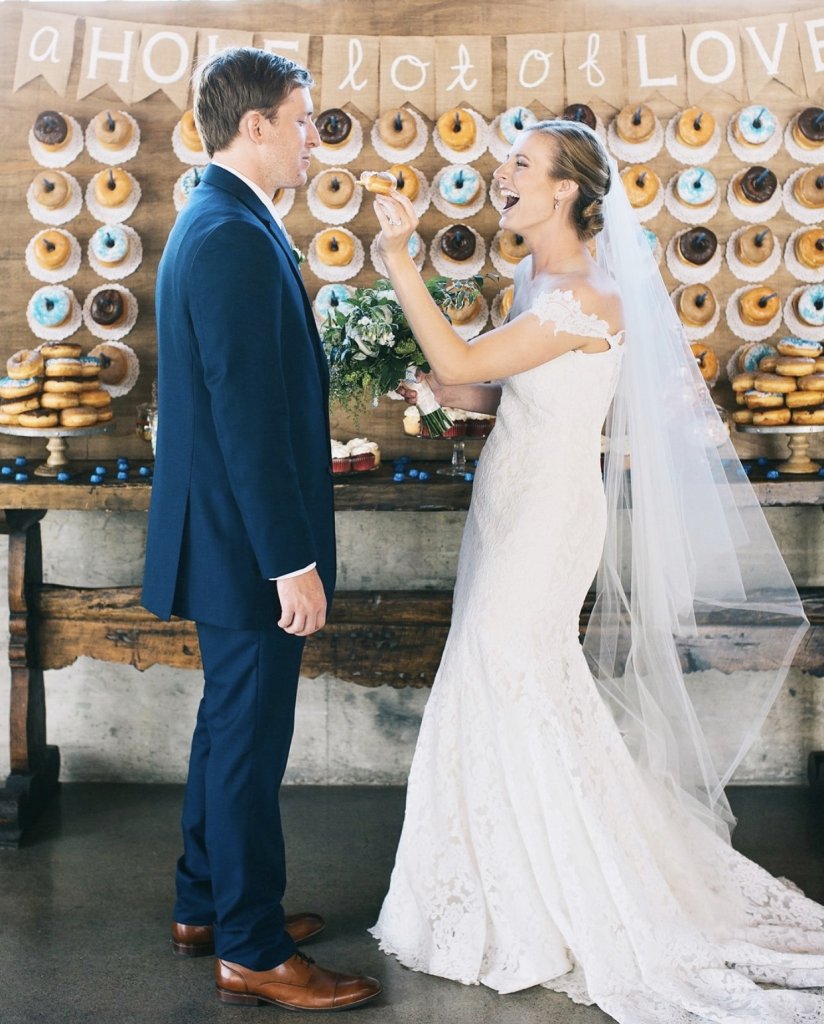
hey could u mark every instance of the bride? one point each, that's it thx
(566, 824)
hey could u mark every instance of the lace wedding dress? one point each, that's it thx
(534, 849)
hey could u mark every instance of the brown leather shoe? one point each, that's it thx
(199, 940)
(297, 984)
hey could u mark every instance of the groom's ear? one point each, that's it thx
(252, 127)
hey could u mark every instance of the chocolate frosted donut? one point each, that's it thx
(697, 246)
(758, 184)
(107, 307)
(458, 243)
(334, 126)
(580, 112)
(811, 124)
(50, 128)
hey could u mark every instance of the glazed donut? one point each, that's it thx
(14, 406)
(114, 363)
(381, 182)
(78, 416)
(13, 388)
(8, 420)
(38, 418)
(112, 131)
(809, 305)
(62, 375)
(696, 305)
(768, 364)
(52, 306)
(51, 129)
(513, 121)
(808, 188)
(743, 382)
(332, 298)
(808, 128)
(813, 382)
(334, 126)
(335, 248)
(635, 124)
(512, 247)
(397, 128)
(60, 350)
(25, 364)
(52, 190)
(808, 417)
(465, 313)
(456, 129)
(60, 399)
(458, 243)
(105, 415)
(802, 399)
(52, 249)
(771, 418)
(406, 181)
(641, 185)
(754, 126)
(695, 127)
(696, 186)
(742, 416)
(707, 362)
(809, 248)
(98, 398)
(108, 308)
(756, 399)
(755, 185)
(110, 245)
(799, 347)
(335, 188)
(507, 298)
(819, 365)
(459, 185)
(112, 187)
(775, 383)
(581, 113)
(794, 366)
(758, 306)
(697, 246)
(755, 245)
(189, 135)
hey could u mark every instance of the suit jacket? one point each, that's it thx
(243, 481)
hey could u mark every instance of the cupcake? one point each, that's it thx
(478, 424)
(341, 459)
(365, 454)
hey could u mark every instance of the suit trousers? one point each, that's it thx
(232, 873)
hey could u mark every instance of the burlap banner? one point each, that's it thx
(535, 71)
(714, 61)
(46, 48)
(164, 61)
(350, 73)
(408, 73)
(109, 54)
(210, 40)
(769, 51)
(810, 33)
(594, 67)
(655, 63)
(294, 45)
(463, 73)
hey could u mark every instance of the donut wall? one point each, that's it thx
(731, 191)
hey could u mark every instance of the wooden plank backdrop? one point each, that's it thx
(156, 167)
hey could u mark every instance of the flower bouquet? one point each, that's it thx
(371, 348)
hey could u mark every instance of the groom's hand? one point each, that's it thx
(302, 603)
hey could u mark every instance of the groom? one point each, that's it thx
(241, 527)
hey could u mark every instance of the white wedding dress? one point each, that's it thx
(534, 849)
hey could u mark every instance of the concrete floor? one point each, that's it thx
(84, 907)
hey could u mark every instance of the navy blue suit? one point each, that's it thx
(242, 493)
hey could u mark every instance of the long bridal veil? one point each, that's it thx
(691, 578)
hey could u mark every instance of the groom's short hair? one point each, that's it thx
(236, 80)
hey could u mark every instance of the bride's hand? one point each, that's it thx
(398, 221)
(410, 395)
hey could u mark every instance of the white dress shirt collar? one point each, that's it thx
(266, 200)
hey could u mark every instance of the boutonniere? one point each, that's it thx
(299, 256)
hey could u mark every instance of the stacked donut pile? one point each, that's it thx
(778, 385)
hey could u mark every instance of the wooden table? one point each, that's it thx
(373, 638)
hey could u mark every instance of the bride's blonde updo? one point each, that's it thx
(579, 156)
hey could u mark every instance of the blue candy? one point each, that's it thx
(404, 459)
(398, 478)
(21, 460)
(772, 474)
(763, 460)
(100, 470)
(95, 478)
(6, 471)
(63, 477)
(423, 475)
(122, 474)
(145, 471)
(20, 478)
(413, 473)
(469, 477)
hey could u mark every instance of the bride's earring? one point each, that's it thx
(556, 203)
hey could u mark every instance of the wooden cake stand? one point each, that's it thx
(798, 440)
(56, 445)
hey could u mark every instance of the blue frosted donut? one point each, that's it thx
(414, 245)
(50, 306)
(459, 185)
(651, 237)
(332, 297)
(792, 346)
(756, 125)
(513, 121)
(752, 353)
(810, 305)
(189, 181)
(696, 186)
(110, 244)
(16, 382)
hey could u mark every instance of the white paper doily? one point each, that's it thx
(495, 312)
(690, 154)
(796, 326)
(330, 214)
(196, 157)
(753, 154)
(346, 152)
(118, 331)
(124, 386)
(635, 152)
(476, 150)
(64, 330)
(495, 196)
(69, 268)
(811, 275)
(115, 272)
(454, 268)
(327, 273)
(113, 214)
(757, 272)
(502, 265)
(453, 210)
(803, 214)
(395, 155)
(689, 214)
(285, 202)
(103, 155)
(59, 157)
(63, 214)
(753, 213)
(804, 156)
(747, 331)
(697, 333)
(377, 259)
(688, 273)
